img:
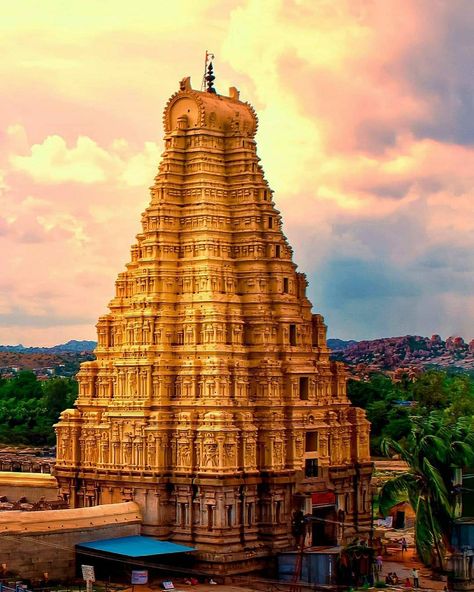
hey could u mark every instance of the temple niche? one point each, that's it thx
(212, 402)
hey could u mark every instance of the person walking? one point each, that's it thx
(404, 544)
(416, 577)
(379, 563)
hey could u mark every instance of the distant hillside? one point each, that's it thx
(75, 346)
(340, 344)
(46, 364)
(70, 346)
(410, 351)
(60, 360)
(387, 354)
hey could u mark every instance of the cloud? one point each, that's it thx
(53, 162)
(22, 318)
(356, 279)
(139, 168)
(365, 133)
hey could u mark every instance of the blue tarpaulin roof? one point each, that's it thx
(135, 546)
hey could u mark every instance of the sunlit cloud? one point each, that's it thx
(366, 135)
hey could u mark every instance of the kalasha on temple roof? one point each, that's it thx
(212, 402)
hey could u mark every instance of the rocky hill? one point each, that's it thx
(70, 346)
(60, 360)
(340, 344)
(390, 354)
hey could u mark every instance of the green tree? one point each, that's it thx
(29, 407)
(364, 392)
(23, 386)
(432, 451)
(59, 394)
(449, 392)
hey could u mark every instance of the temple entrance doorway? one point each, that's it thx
(324, 526)
(324, 519)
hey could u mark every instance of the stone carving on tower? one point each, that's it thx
(212, 402)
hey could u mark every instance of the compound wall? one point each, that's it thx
(32, 543)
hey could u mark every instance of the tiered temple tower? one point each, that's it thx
(213, 402)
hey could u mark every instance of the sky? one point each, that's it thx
(366, 135)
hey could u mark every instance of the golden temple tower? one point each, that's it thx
(212, 402)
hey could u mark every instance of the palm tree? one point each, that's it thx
(432, 451)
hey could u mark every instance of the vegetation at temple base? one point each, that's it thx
(29, 407)
(435, 446)
(390, 405)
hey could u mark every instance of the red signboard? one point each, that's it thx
(323, 498)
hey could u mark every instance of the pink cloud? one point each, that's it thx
(360, 134)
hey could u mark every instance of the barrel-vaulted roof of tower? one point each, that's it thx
(193, 109)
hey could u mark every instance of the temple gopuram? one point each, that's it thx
(213, 403)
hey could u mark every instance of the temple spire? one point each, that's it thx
(208, 76)
(213, 403)
(210, 79)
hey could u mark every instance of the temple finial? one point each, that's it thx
(208, 77)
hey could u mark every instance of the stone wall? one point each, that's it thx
(32, 543)
(33, 486)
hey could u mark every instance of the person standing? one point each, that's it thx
(404, 544)
(416, 577)
(379, 563)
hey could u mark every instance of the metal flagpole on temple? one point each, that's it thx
(207, 62)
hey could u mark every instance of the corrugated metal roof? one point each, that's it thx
(135, 546)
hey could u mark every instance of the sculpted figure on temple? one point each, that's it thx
(127, 451)
(64, 445)
(146, 331)
(132, 382)
(250, 452)
(323, 443)
(115, 432)
(157, 334)
(104, 443)
(101, 333)
(210, 455)
(151, 450)
(299, 447)
(278, 452)
(184, 454)
(229, 454)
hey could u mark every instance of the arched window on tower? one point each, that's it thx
(210, 516)
(304, 388)
(311, 442)
(292, 334)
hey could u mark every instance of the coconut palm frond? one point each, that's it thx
(394, 491)
(437, 487)
(464, 423)
(424, 540)
(464, 430)
(420, 423)
(390, 447)
(434, 447)
(428, 534)
(462, 454)
(413, 496)
(445, 432)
